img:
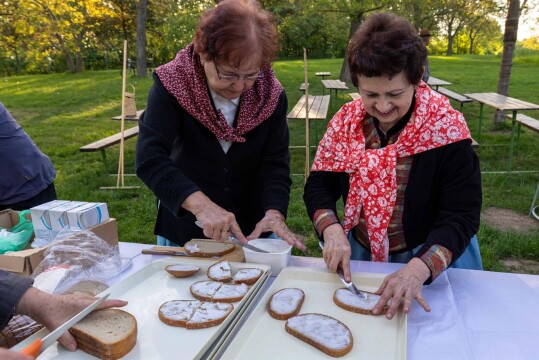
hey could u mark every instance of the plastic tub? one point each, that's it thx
(278, 257)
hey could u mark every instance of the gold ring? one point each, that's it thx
(225, 230)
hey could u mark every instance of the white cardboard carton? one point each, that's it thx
(41, 219)
(87, 215)
(58, 216)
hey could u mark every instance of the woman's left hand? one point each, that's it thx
(274, 222)
(403, 286)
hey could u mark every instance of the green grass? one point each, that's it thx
(62, 112)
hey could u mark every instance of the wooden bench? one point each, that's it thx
(103, 144)
(527, 121)
(129, 118)
(455, 96)
(354, 96)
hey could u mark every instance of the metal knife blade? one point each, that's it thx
(235, 240)
(164, 252)
(350, 285)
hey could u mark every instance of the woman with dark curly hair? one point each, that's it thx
(401, 158)
(213, 140)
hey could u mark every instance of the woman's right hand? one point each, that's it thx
(218, 223)
(337, 250)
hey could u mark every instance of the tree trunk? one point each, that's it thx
(509, 40)
(345, 69)
(141, 38)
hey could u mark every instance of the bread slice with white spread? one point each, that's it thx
(208, 248)
(347, 300)
(106, 334)
(323, 332)
(286, 303)
(193, 314)
(220, 271)
(247, 276)
(182, 270)
(215, 291)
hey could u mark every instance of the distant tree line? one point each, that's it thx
(40, 36)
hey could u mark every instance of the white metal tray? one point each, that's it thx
(263, 337)
(145, 291)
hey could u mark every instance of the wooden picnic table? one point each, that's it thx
(335, 85)
(435, 82)
(323, 74)
(318, 110)
(503, 103)
(129, 118)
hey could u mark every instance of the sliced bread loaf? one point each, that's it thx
(247, 276)
(182, 270)
(193, 314)
(347, 300)
(215, 291)
(106, 334)
(220, 271)
(286, 303)
(208, 248)
(87, 287)
(323, 332)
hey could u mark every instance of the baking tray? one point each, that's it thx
(145, 291)
(263, 337)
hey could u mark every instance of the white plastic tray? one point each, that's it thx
(145, 291)
(263, 337)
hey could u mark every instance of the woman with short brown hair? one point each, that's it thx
(213, 140)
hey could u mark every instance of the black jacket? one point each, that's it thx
(442, 201)
(177, 156)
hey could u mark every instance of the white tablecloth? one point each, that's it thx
(475, 314)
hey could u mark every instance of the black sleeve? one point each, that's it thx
(458, 200)
(323, 189)
(159, 128)
(274, 172)
(12, 288)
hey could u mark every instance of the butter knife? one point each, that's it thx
(349, 285)
(168, 252)
(235, 240)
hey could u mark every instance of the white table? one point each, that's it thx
(475, 314)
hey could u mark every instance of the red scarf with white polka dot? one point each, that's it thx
(185, 79)
(373, 176)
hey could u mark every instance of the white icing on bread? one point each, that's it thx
(218, 292)
(286, 303)
(193, 314)
(323, 332)
(347, 300)
(247, 276)
(220, 271)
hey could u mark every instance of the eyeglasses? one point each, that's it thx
(237, 77)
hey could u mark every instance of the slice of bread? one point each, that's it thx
(178, 312)
(208, 248)
(209, 314)
(347, 300)
(247, 276)
(106, 334)
(182, 270)
(193, 314)
(323, 332)
(230, 293)
(286, 303)
(215, 291)
(220, 271)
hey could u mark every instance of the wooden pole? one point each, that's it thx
(307, 146)
(121, 159)
(120, 180)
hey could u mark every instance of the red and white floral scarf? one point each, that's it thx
(185, 79)
(373, 184)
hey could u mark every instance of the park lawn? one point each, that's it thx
(62, 112)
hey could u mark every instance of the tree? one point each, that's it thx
(141, 38)
(509, 40)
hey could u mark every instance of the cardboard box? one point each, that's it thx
(24, 262)
(86, 216)
(58, 216)
(41, 219)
